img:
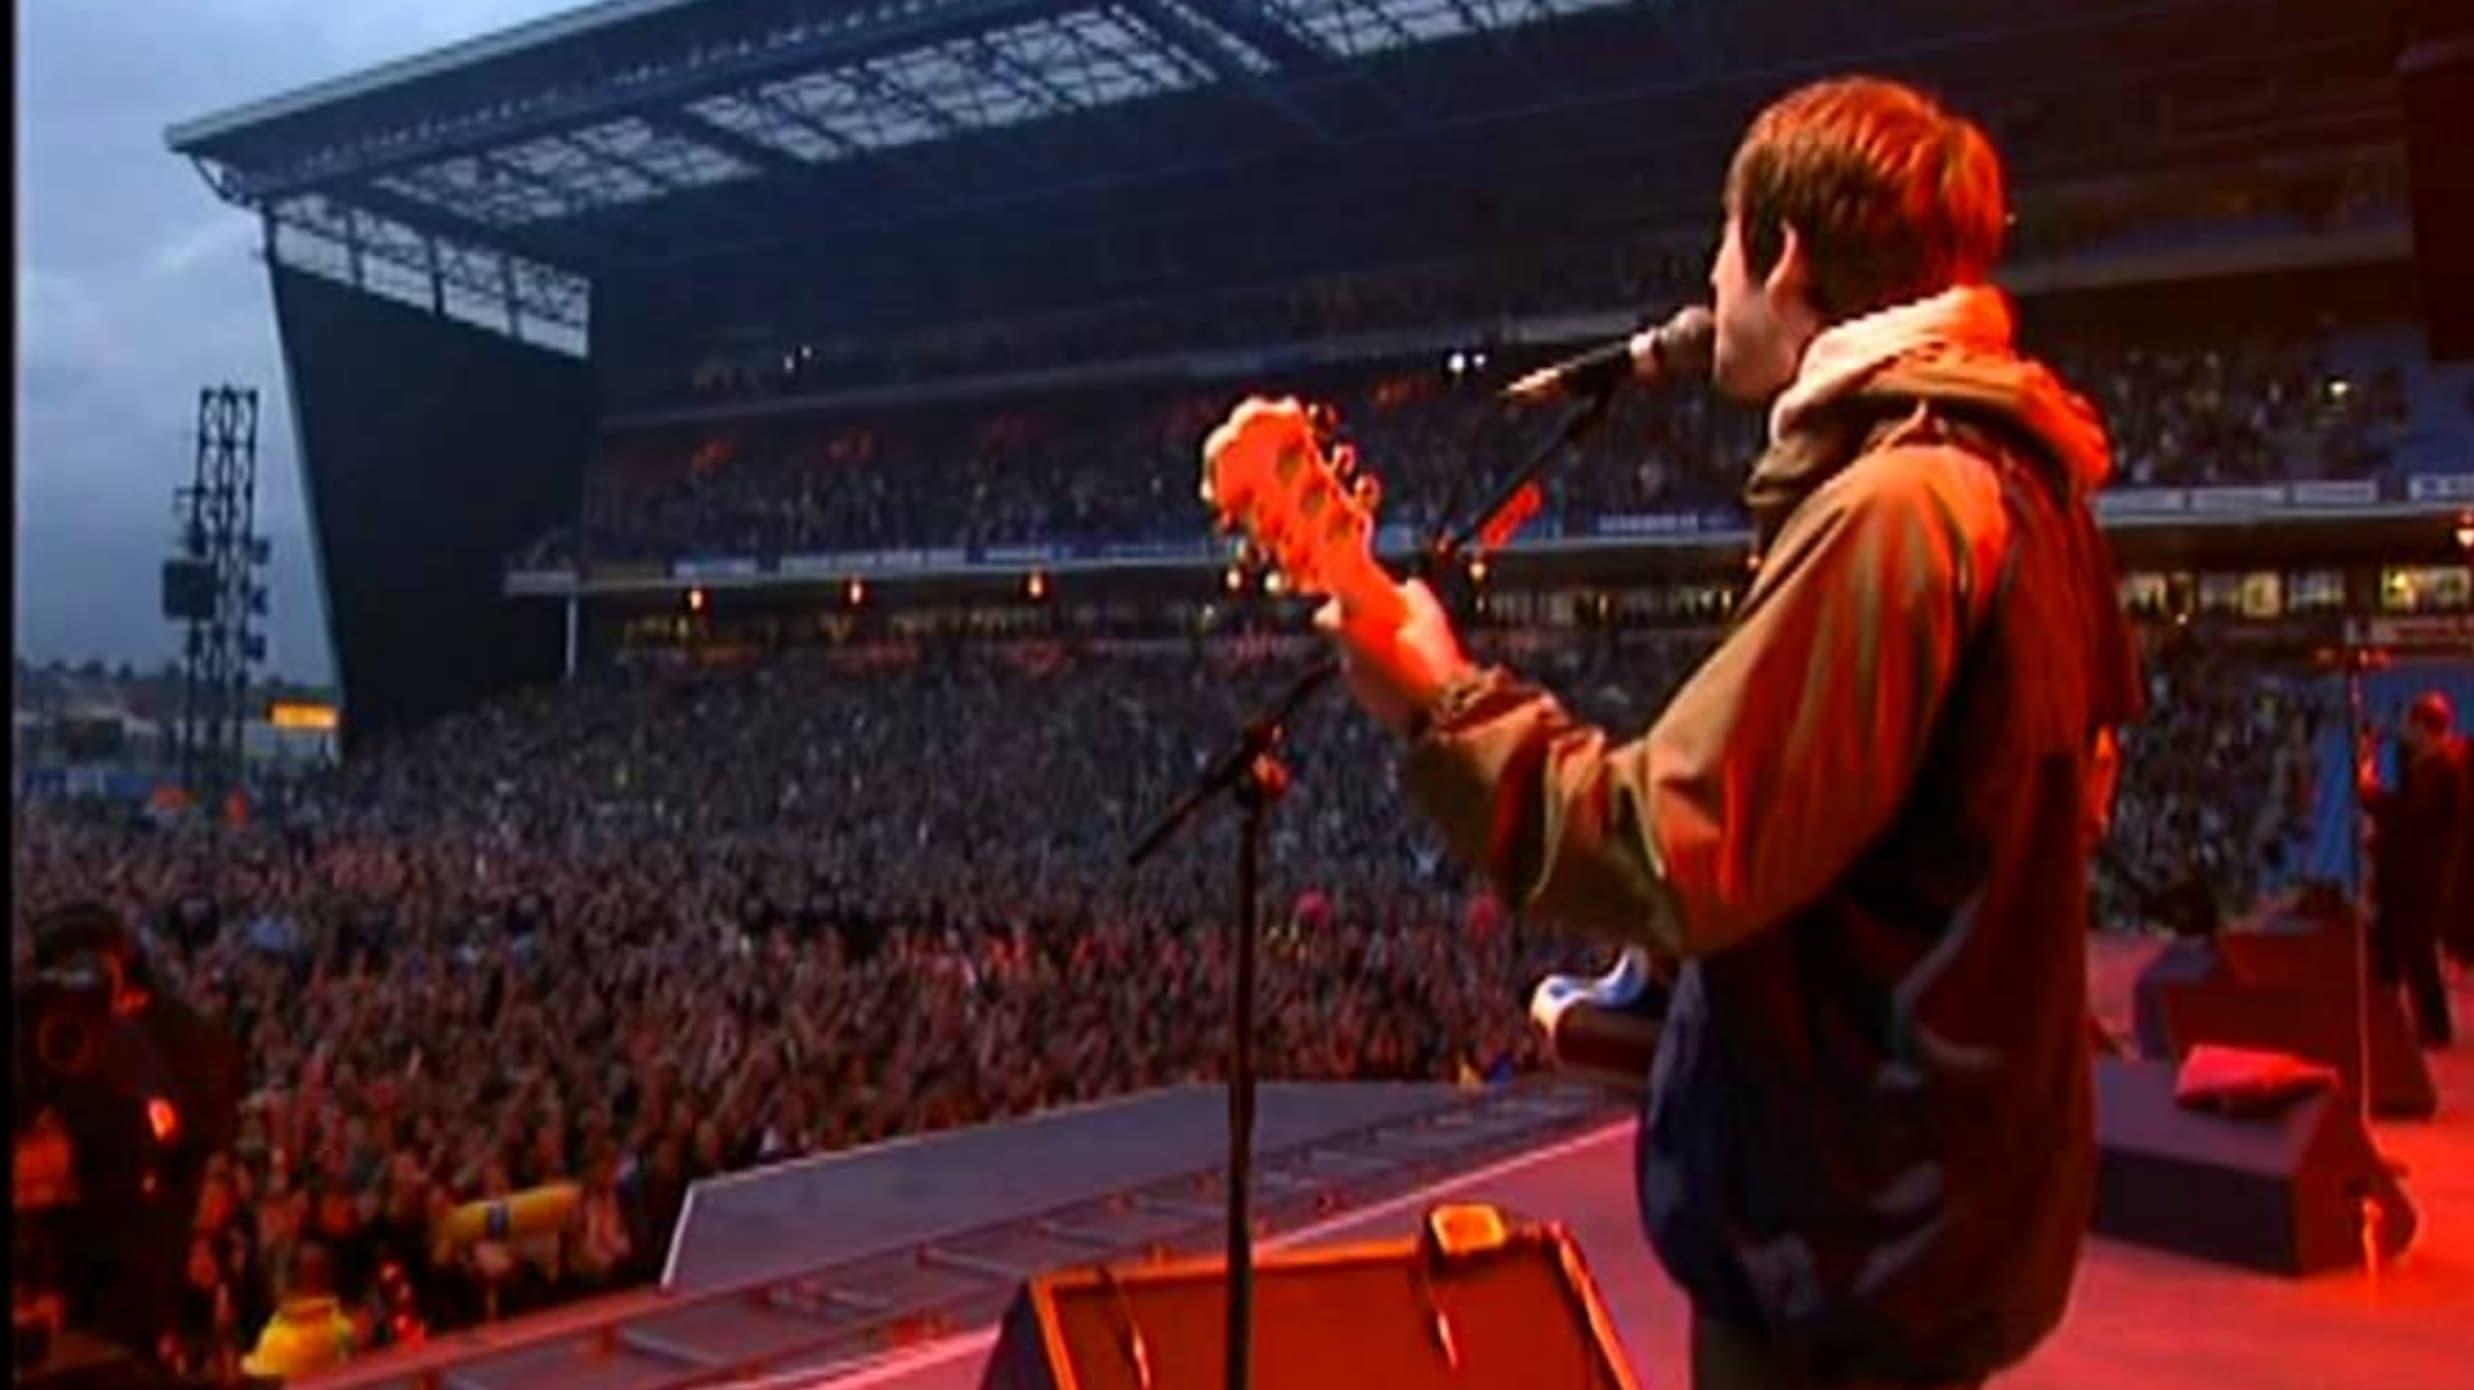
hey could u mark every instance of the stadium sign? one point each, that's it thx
(732, 567)
(2219, 500)
(2419, 631)
(2135, 501)
(2440, 487)
(1149, 550)
(2245, 499)
(1652, 524)
(1022, 554)
(548, 581)
(2349, 492)
(311, 715)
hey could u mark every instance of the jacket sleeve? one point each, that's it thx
(1786, 753)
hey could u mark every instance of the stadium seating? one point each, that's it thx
(1117, 467)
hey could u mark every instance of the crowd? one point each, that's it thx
(1481, 294)
(2244, 411)
(2219, 781)
(664, 923)
(639, 930)
(1120, 465)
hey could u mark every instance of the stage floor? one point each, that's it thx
(2139, 1319)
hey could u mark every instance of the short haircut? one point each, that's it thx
(1892, 197)
(2432, 713)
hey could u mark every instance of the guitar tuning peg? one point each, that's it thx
(1368, 490)
(1344, 461)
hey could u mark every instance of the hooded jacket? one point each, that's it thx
(1860, 823)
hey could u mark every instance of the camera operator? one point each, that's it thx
(126, 1091)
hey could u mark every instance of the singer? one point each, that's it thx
(1867, 1155)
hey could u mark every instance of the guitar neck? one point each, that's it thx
(1366, 591)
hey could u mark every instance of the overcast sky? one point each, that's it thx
(136, 286)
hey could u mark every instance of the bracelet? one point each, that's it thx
(1449, 701)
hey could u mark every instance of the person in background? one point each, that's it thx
(2415, 838)
(310, 1331)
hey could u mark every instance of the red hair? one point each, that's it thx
(1892, 198)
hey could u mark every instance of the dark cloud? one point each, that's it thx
(136, 287)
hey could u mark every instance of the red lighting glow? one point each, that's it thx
(162, 1119)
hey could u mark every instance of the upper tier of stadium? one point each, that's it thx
(935, 157)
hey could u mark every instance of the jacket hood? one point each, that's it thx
(1953, 348)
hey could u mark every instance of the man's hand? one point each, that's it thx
(1397, 673)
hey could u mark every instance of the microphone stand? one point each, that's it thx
(1252, 772)
(2358, 726)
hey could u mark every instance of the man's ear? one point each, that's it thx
(1790, 280)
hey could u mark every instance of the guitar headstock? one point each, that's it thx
(1271, 473)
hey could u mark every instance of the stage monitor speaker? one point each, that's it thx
(2435, 74)
(2283, 1191)
(1515, 1308)
(2294, 992)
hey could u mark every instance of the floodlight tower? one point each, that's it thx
(214, 588)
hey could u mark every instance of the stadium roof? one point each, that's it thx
(514, 167)
(564, 121)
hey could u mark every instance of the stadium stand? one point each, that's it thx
(1115, 468)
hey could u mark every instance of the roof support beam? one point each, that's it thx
(1253, 22)
(429, 217)
(1259, 23)
(878, 85)
(575, 141)
(989, 61)
(868, 29)
(1198, 48)
(696, 128)
(889, 160)
(569, 200)
(427, 263)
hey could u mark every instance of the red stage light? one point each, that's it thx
(162, 1119)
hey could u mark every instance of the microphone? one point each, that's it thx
(1679, 347)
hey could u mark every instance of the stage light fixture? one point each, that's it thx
(856, 591)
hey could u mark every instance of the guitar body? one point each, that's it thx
(1604, 1029)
